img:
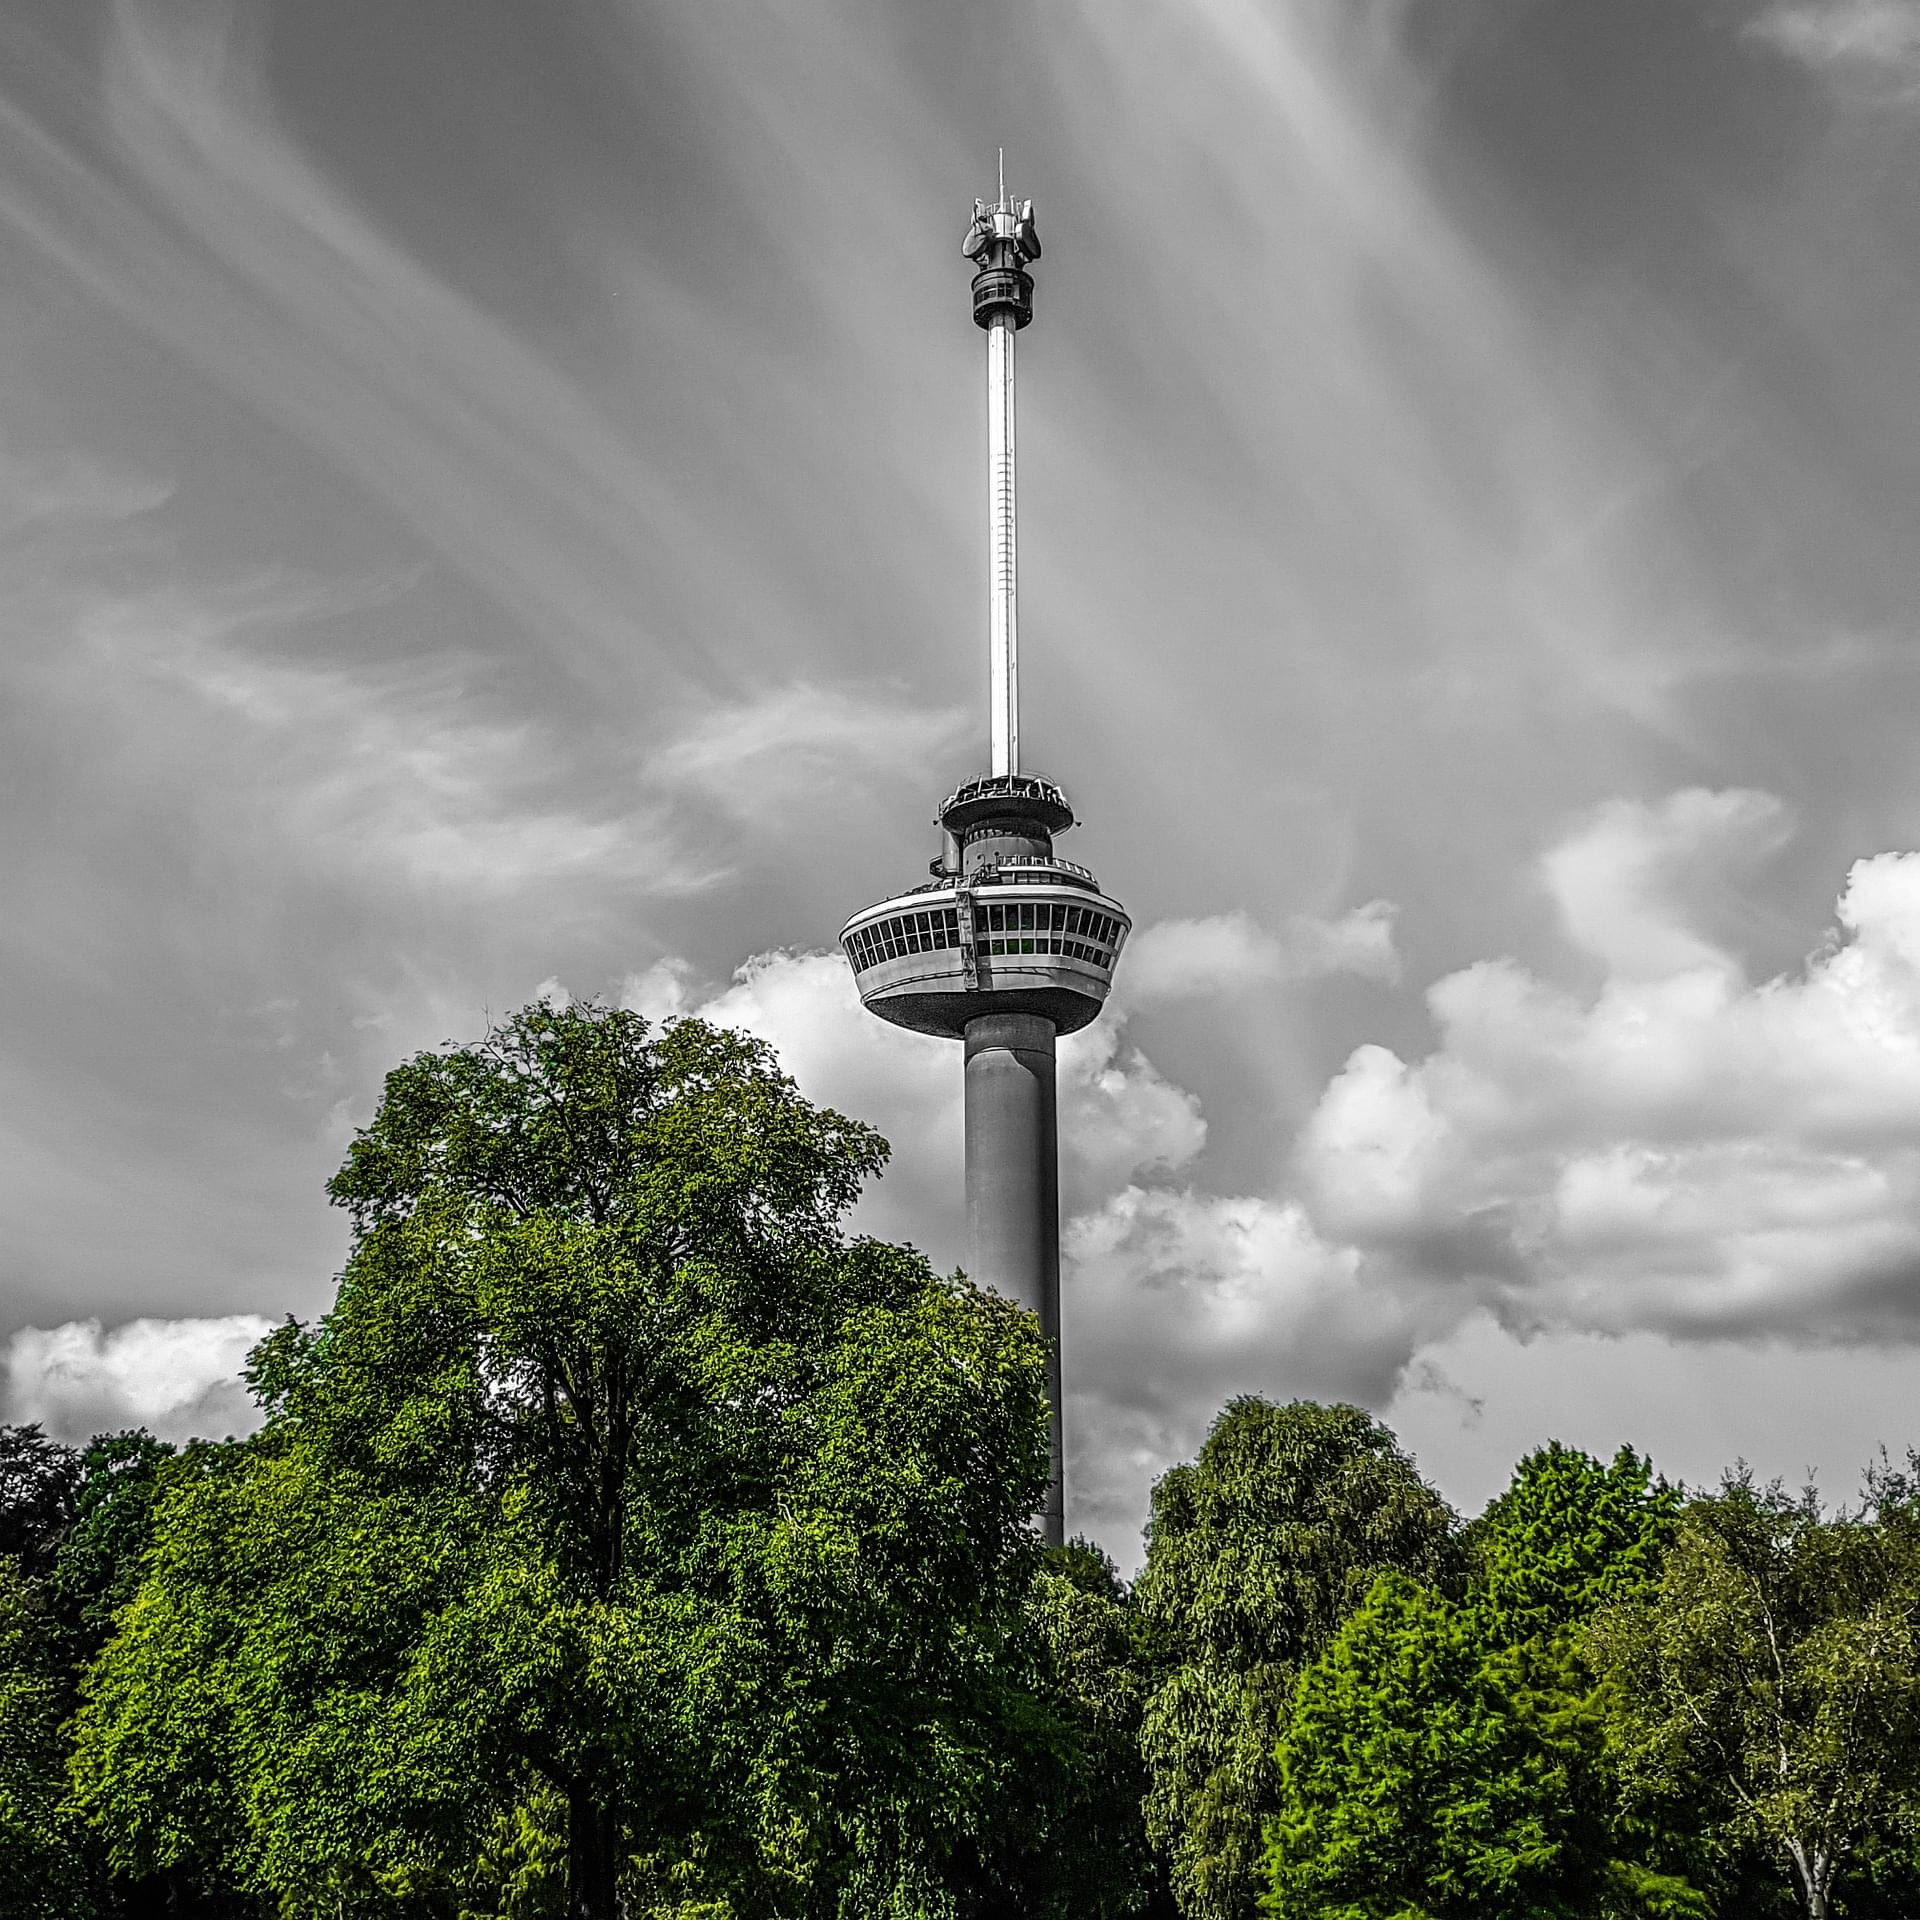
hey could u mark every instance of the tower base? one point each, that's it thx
(1013, 1195)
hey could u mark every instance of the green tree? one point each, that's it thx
(37, 1481)
(1256, 1552)
(1074, 1843)
(620, 1503)
(97, 1567)
(37, 1880)
(1412, 1780)
(1447, 1759)
(1772, 1677)
(1566, 1537)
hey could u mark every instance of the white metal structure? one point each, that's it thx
(1003, 557)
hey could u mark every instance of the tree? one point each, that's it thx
(36, 1877)
(1567, 1537)
(1411, 1780)
(619, 1500)
(1772, 1675)
(1447, 1759)
(1255, 1554)
(1075, 1845)
(97, 1567)
(37, 1479)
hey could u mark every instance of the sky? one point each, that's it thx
(492, 504)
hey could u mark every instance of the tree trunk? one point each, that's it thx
(1815, 1869)
(593, 1861)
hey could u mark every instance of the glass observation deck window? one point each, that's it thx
(1004, 927)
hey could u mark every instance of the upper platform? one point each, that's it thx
(1027, 797)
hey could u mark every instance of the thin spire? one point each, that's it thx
(1003, 176)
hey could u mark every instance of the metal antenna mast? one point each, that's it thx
(1001, 243)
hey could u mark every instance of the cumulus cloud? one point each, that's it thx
(178, 1378)
(1680, 1150)
(658, 992)
(1632, 885)
(1174, 1300)
(1675, 1152)
(1231, 952)
(1359, 941)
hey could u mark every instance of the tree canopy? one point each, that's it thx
(1566, 1537)
(618, 1493)
(1449, 1758)
(630, 1540)
(1255, 1554)
(1772, 1677)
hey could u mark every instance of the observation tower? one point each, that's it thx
(1007, 946)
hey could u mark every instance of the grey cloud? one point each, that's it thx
(1230, 953)
(180, 1379)
(1872, 40)
(1682, 1149)
(73, 485)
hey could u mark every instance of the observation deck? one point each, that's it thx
(1005, 926)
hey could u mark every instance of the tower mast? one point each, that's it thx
(1007, 946)
(1002, 237)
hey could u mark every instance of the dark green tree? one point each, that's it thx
(1073, 1843)
(38, 1880)
(1255, 1554)
(1771, 1678)
(97, 1568)
(620, 1506)
(37, 1481)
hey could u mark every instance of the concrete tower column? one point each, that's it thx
(1013, 1194)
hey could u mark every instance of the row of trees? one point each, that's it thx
(628, 1541)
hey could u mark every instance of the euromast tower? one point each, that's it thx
(1007, 946)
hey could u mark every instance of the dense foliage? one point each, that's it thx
(628, 1540)
(1450, 1758)
(1255, 1554)
(1770, 1678)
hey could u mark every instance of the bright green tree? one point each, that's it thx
(1447, 1759)
(1771, 1677)
(1566, 1537)
(1256, 1552)
(1411, 1782)
(620, 1505)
